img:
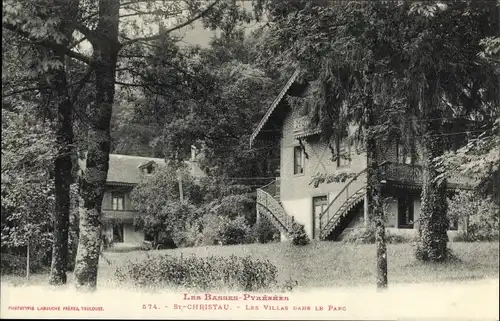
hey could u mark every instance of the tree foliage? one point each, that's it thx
(205, 97)
(416, 66)
(111, 29)
(478, 215)
(27, 188)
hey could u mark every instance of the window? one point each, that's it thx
(319, 206)
(118, 233)
(343, 153)
(405, 212)
(298, 160)
(149, 169)
(118, 201)
(402, 155)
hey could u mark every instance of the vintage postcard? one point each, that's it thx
(263, 159)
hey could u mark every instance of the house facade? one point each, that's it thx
(118, 213)
(332, 209)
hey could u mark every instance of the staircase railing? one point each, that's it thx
(354, 186)
(266, 199)
(272, 188)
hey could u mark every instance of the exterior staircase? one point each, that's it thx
(350, 196)
(354, 191)
(268, 204)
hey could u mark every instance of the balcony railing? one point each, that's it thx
(413, 175)
(302, 127)
(110, 214)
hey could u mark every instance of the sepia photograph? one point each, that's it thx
(250, 159)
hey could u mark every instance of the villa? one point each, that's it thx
(125, 172)
(329, 210)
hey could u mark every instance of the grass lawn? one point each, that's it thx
(328, 264)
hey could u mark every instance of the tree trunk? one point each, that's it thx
(433, 237)
(73, 228)
(93, 179)
(62, 180)
(373, 181)
(376, 212)
(63, 160)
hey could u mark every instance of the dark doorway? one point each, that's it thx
(405, 212)
(118, 233)
(320, 204)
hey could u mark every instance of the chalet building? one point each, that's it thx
(329, 210)
(124, 173)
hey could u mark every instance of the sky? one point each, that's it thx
(193, 34)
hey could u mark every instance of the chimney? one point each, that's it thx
(193, 153)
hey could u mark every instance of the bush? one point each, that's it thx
(189, 236)
(221, 230)
(238, 273)
(265, 232)
(235, 232)
(12, 264)
(480, 216)
(16, 264)
(474, 236)
(299, 235)
(211, 225)
(367, 236)
(360, 236)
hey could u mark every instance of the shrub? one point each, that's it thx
(367, 236)
(475, 235)
(211, 225)
(299, 235)
(233, 272)
(480, 216)
(16, 263)
(396, 239)
(265, 232)
(234, 232)
(360, 236)
(189, 236)
(221, 230)
(146, 245)
(12, 264)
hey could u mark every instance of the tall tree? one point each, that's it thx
(49, 78)
(343, 52)
(99, 24)
(443, 79)
(206, 97)
(64, 140)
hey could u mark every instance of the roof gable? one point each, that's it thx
(274, 106)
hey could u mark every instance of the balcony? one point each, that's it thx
(302, 127)
(412, 175)
(125, 216)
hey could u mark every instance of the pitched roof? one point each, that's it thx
(275, 104)
(128, 169)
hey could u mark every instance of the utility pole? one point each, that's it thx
(181, 192)
(28, 258)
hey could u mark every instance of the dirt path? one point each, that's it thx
(473, 300)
